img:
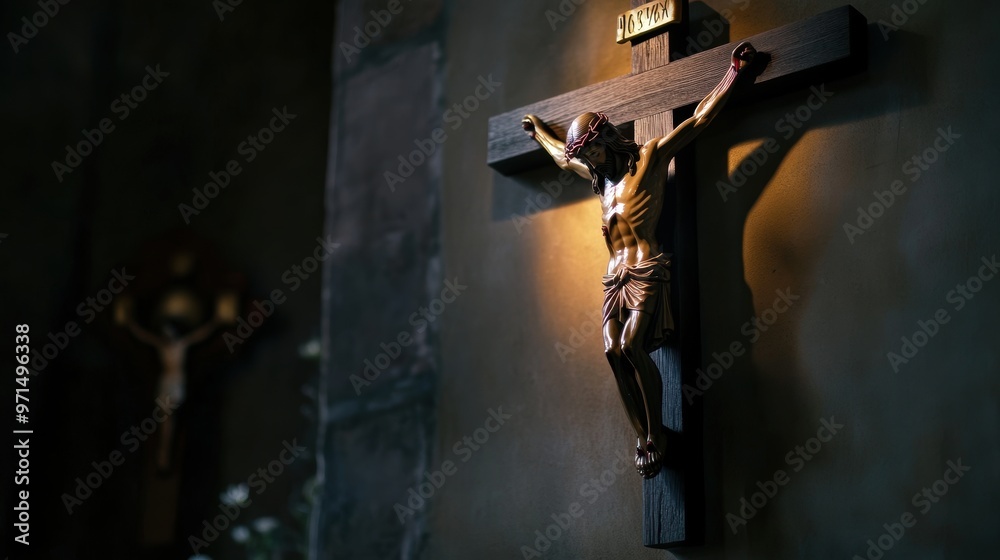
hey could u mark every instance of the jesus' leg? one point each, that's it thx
(651, 384)
(628, 386)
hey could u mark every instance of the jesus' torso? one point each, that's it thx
(631, 209)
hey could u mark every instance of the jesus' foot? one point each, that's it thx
(649, 455)
(654, 461)
(640, 457)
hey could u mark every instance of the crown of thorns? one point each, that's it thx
(574, 147)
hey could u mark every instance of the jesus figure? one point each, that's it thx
(631, 183)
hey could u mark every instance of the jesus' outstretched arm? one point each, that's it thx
(710, 106)
(555, 147)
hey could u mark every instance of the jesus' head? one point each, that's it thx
(602, 148)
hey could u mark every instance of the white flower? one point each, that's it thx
(265, 524)
(311, 349)
(235, 495)
(241, 534)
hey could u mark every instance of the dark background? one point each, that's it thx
(120, 208)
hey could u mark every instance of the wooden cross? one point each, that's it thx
(825, 47)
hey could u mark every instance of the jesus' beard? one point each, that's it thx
(610, 170)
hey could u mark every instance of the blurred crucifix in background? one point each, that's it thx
(172, 349)
(174, 368)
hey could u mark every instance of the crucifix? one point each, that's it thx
(167, 328)
(651, 293)
(172, 349)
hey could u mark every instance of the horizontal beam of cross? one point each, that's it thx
(821, 48)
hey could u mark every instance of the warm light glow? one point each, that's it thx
(788, 224)
(567, 258)
(590, 62)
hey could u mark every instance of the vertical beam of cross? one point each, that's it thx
(672, 512)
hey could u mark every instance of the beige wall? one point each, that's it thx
(783, 229)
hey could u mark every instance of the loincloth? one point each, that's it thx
(645, 287)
